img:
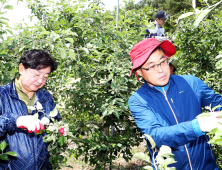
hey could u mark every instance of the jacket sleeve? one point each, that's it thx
(7, 120)
(172, 136)
(205, 95)
(147, 35)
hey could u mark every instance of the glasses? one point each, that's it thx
(154, 67)
(37, 77)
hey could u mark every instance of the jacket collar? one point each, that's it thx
(153, 88)
(41, 94)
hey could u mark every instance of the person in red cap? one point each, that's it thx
(166, 107)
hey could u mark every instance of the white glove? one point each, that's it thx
(29, 123)
(45, 121)
(207, 124)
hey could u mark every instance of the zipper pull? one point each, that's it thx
(165, 97)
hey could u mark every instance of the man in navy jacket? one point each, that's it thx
(166, 107)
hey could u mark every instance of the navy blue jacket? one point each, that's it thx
(168, 119)
(32, 153)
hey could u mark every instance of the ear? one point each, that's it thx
(21, 68)
(171, 68)
(139, 72)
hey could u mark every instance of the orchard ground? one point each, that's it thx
(119, 163)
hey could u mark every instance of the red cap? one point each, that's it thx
(142, 51)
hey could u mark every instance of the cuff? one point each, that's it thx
(196, 128)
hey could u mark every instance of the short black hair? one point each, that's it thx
(158, 48)
(38, 59)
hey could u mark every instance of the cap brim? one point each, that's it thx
(168, 48)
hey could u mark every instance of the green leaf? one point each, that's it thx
(4, 18)
(50, 159)
(72, 54)
(3, 157)
(208, 107)
(142, 156)
(54, 36)
(11, 153)
(10, 7)
(219, 64)
(165, 151)
(200, 17)
(219, 56)
(86, 50)
(213, 131)
(3, 145)
(7, 65)
(70, 40)
(172, 168)
(214, 108)
(8, 30)
(153, 144)
(45, 33)
(148, 167)
(185, 15)
(35, 117)
(61, 140)
(203, 115)
(63, 53)
(169, 161)
(54, 112)
(57, 150)
(53, 138)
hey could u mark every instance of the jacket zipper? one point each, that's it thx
(210, 147)
(33, 143)
(177, 123)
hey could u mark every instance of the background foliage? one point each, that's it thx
(91, 85)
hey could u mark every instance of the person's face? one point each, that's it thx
(32, 79)
(160, 21)
(160, 76)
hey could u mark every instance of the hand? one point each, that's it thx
(207, 124)
(28, 122)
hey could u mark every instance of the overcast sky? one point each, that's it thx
(20, 12)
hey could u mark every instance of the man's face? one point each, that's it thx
(161, 74)
(33, 79)
(160, 21)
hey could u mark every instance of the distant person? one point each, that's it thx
(173, 62)
(158, 31)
